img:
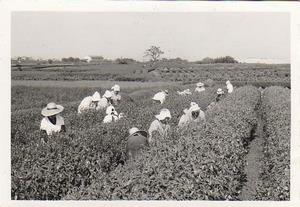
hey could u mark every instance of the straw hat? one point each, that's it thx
(199, 84)
(194, 107)
(220, 91)
(164, 113)
(227, 82)
(111, 110)
(96, 96)
(52, 109)
(107, 94)
(116, 88)
(134, 130)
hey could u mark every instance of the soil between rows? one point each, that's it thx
(253, 159)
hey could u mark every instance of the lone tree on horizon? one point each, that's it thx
(153, 53)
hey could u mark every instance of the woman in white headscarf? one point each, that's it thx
(116, 97)
(105, 101)
(193, 114)
(200, 87)
(160, 96)
(52, 121)
(160, 124)
(89, 102)
(220, 94)
(111, 115)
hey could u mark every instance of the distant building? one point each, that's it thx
(87, 59)
(97, 59)
(93, 59)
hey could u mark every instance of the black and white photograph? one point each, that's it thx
(150, 106)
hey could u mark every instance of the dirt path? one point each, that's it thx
(253, 162)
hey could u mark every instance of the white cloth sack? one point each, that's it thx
(51, 128)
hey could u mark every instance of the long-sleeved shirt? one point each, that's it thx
(116, 98)
(187, 118)
(50, 128)
(103, 104)
(161, 128)
(86, 104)
(160, 96)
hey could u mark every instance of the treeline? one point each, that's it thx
(226, 59)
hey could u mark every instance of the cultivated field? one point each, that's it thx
(184, 72)
(207, 161)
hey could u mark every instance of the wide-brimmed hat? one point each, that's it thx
(52, 109)
(116, 88)
(220, 91)
(166, 91)
(107, 94)
(227, 82)
(194, 107)
(134, 130)
(96, 96)
(111, 110)
(200, 84)
(164, 113)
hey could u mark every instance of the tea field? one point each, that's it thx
(204, 161)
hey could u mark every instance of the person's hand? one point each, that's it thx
(43, 140)
(150, 139)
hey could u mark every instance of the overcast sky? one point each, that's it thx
(191, 36)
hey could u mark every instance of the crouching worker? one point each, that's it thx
(52, 121)
(200, 87)
(105, 101)
(160, 124)
(160, 97)
(220, 94)
(112, 115)
(89, 102)
(193, 114)
(116, 97)
(137, 141)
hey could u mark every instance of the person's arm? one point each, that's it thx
(44, 136)
(63, 128)
(151, 129)
(167, 130)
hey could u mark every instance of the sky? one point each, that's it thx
(192, 36)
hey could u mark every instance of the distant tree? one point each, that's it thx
(153, 53)
(226, 59)
(125, 60)
(50, 61)
(207, 60)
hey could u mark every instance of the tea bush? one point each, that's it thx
(275, 175)
(202, 162)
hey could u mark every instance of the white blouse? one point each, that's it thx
(52, 128)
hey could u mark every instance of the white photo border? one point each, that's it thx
(6, 7)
